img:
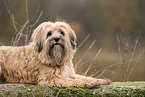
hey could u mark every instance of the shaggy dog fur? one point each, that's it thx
(47, 60)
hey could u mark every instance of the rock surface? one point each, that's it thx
(115, 89)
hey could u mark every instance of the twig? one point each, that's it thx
(37, 19)
(110, 66)
(20, 34)
(133, 52)
(22, 30)
(11, 15)
(27, 14)
(101, 73)
(36, 12)
(119, 48)
(83, 41)
(132, 56)
(85, 53)
(135, 64)
(93, 61)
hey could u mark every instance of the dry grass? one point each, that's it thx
(130, 54)
(128, 47)
(22, 31)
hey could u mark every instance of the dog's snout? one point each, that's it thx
(56, 39)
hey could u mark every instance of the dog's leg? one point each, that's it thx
(74, 80)
(69, 82)
(90, 81)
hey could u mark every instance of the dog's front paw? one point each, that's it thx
(97, 82)
(104, 81)
(87, 82)
(92, 82)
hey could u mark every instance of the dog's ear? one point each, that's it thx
(39, 45)
(37, 37)
(73, 39)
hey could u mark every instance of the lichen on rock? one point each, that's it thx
(115, 89)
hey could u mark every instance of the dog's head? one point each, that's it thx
(56, 42)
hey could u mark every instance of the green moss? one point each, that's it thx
(56, 89)
(113, 90)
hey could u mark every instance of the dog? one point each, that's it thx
(47, 60)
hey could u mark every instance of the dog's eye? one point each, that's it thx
(62, 33)
(48, 34)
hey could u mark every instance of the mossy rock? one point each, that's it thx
(126, 89)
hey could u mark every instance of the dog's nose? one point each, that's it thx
(56, 39)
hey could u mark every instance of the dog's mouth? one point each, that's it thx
(57, 44)
(57, 52)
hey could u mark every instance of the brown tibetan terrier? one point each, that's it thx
(47, 60)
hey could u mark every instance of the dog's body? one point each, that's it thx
(47, 60)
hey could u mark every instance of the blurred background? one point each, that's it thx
(110, 33)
